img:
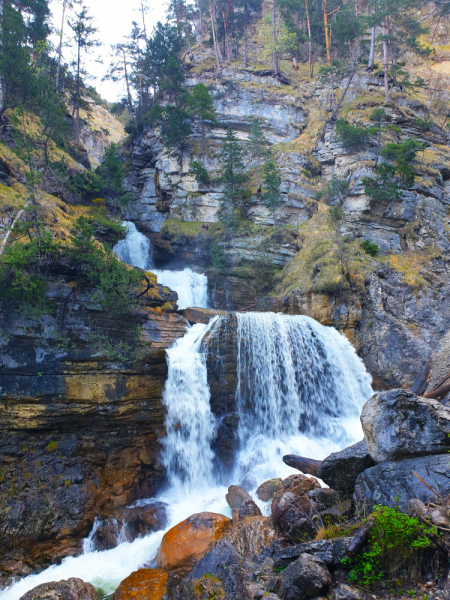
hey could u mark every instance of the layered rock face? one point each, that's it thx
(81, 416)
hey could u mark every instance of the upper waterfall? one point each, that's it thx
(136, 250)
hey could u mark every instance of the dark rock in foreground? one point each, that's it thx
(303, 579)
(70, 589)
(382, 483)
(341, 469)
(398, 424)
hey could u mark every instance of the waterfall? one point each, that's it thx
(136, 250)
(190, 423)
(300, 389)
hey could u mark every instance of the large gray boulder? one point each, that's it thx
(70, 589)
(399, 424)
(386, 481)
(341, 469)
(305, 578)
(331, 552)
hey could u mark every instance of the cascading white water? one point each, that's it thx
(136, 250)
(300, 389)
(190, 423)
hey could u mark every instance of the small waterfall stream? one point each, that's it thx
(136, 250)
(300, 390)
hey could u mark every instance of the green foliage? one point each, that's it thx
(352, 137)
(272, 185)
(257, 142)
(369, 248)
(51, 446)
(218, 258)
(396, 544)
(424, 125)
(336, 188)
(386, 185)
(200, 173)
(112, 174)
(232, 176)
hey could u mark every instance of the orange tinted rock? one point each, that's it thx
(144, 584)
(191, 539)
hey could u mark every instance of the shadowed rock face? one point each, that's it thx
(80, 420)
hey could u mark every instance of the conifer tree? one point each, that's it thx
(257, 141)
(272, 186)
(232, 176)
(201, 106)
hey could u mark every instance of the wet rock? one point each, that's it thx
(383, 483)
(236, 496)
(250, 536)
(267, 490)
(399, 424)
(342, 591)
(291, 503)
(304, 578)
(249, 508)
(325, 497)
(436, 371)
(127, 524)
(70, 589)
(200, 315)
(330, 552)
(143, 584)
(191, 539)
(341, 469)
(218, 574)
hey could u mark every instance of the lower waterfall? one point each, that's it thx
(136, 250)
(300, 390)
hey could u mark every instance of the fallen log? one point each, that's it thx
(360, 538)
(305, 465)
(439, 393)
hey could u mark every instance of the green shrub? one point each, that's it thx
(218, 258)
(200, 173)
(369, 248)
(397, 542)
(351, 136)
(51, 446)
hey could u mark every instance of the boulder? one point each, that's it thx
(249, 508)
(127, 524)
(303, 579)
(291, 506)
(236, 496)
(343, 591)
(218, 574)
(331, 552)
(251, 535)
(341, 469)
(200, 315)
(268, 489)
(325, 497)
(191, 539)
(384, 482)
(144, 584)
(399, 424)
(70, 589)
(436, 372)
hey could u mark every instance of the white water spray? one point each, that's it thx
(136, 250)
(300, 390)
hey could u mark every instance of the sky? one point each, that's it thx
(113, 20)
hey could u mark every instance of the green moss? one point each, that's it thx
(176, 227)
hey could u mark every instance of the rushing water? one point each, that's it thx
(300, 390)
(136, 250)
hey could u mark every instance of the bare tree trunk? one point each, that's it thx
(246, 33)
(77, 107)
(130, 101)
(2, 108)
(200, 29)
(8, 233)
(274, 40)
(337, 107)
(186, 29)
(327, 39)
(143, 21)
(387, 96)
(219, 58)
(308, 23)
(58, 71)
(372, 50)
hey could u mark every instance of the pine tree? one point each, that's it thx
(272, 186)
(201, 106)
(232, 176)
(84, 33)
(257, 141)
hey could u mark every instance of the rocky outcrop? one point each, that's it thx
(81, 416)
(341, 469)
(399, 424)
(200, 315)
(72, 589)
(393, 482)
